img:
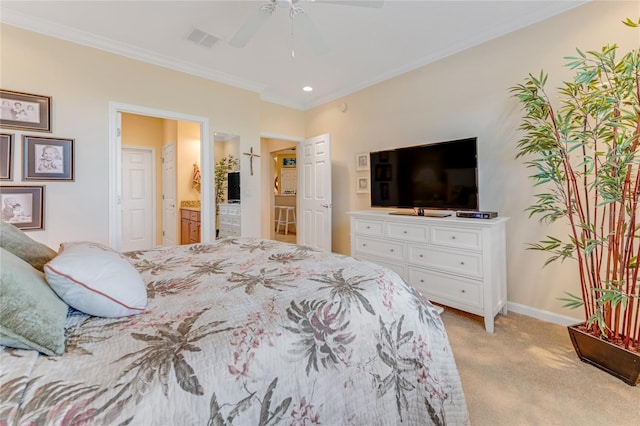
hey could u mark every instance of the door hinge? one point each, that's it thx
(118, 132)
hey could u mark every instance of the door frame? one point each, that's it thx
(207, 203)
(268, 199)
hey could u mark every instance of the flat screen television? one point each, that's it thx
(233, 187)
(440, 175)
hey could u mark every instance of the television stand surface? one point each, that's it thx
(413, 213)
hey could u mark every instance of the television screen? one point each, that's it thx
(233, 187)
(437, 176)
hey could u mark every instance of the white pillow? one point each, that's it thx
(96, 280)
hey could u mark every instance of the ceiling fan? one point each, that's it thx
(297, 14)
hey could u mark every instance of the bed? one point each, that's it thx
(246, 332)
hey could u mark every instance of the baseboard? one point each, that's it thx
(542, 315)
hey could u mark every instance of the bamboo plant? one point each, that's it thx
(584, 154)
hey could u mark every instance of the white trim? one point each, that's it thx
(541, 314)
(207, 204)
(281, 137)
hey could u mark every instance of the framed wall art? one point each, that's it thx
(288, 162)
(25, 111)
(6, 156)
(47, 158)
(362, 184)
(23, 206)
(362, 161)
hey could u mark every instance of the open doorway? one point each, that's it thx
(275, 149)
(177, 128)
(285, 194)
(160, 182)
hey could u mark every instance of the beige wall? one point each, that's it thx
(468, 95)
(82, 82)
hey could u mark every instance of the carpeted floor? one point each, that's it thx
(527, 373)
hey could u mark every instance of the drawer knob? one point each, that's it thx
(462, 263)
(421, 255)
(453, 237)
(463, 291)
(421, 281)
(364, 245)
(368, 227)
(391, 250)
(404, 232)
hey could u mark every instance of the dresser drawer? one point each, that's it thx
(388, 249)
(223, 209)
(397, 267)
(463, 263)
(446, 289)
(456, 237)
(234, 210)
(369, 227)
(418, 233)
(194, 215)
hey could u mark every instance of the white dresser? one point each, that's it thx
(453, 261)
(229, 220)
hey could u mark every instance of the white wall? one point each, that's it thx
(468, 95)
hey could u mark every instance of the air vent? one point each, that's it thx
(203, 38)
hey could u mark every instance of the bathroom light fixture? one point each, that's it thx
(307, 88)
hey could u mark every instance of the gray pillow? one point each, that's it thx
(32, 316)
(17, 242)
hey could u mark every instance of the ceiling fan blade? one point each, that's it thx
(251, 27)
(362, 3)
(306, 26)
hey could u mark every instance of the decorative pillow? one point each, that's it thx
(32, 316)
(17, 242)
(96, 280)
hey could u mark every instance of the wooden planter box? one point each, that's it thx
(607, 356)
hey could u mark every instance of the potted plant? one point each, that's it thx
(584, 152)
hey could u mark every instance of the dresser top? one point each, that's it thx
(404, 215)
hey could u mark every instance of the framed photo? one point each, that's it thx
(362, 161)
(362, 184)
(6, 156)
(24, 111)
(288, 162)
(47, 158)
(23, 206)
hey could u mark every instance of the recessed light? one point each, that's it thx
(307, 88)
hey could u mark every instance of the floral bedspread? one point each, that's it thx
(247, 332)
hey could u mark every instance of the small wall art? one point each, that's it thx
(23, 206)
(362, 161)
(25, 111)
(6, 156)
(362, 184)
(47, 158)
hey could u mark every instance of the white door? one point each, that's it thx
(169, 224)
(315, 198)
(138, 212)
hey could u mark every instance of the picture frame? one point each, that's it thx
(6, 156)
(362, 185)
(47, 158)
(362, 161)
(23, 206)
(25, 111)
(288, 162)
